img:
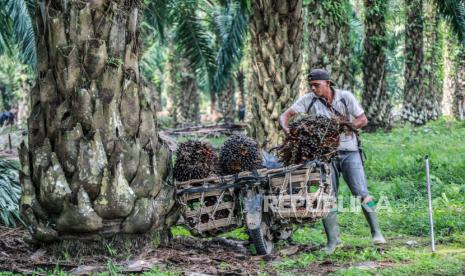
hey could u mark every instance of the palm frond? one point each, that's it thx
(10, 191)
(17, 27)
(231, 23)
(454, 12)
(6, 32)
(152, 61)
(156, 17)
(193, 39)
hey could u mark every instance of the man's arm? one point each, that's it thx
(360, 121)
(284, 119)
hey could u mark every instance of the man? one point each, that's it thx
(241, 111)
(330, 102)
(7, 118)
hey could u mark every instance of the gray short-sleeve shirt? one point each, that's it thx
(351, 110)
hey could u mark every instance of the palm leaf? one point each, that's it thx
(156, 17)
(193, 40)
(152, 60)
(231, 23)
(10, 192)
(6, 31)
(17, 27)
(454, 12)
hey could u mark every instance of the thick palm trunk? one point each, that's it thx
(172, 83)
(188, 102)
(459, 96)
(433, 82)
(227, 103)
(157, 97)
(94, 165)
(329, 41)
(449, 74)
(240, 80)
(213, 104)
(414, 109)
(376, 100)
(276, 58)
(1, 98)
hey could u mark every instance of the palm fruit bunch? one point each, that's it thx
(194, 160)
(310, 138)
(239, 153)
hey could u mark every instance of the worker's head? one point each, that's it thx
(319, 81)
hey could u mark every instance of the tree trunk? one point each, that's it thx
(433, 69)
(189, 102)
(157, 95)
(94, 165)
(240, 79)
(329, 41)
(376, 101)
(459, 96)
(227, 103)
(414, 109)
(276, 59)
(2, 98)
(449, 74)
(172, 82)
(213, 103)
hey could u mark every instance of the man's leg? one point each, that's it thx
(354, 175)
(330, 223)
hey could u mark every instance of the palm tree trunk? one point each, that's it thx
(172, 82)
(2, 98)
(329, 41)
(414, 109)
(213, 104)
(276, 35)
(157, 96)
(459, 96)
(189, 102)
(227, 103)
(449, 74)
(376, 101)
(433, 68)
(240, 79)
(94, 165)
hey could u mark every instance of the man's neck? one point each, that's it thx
(329, 95)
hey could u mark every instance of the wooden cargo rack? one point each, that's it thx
(296, 193)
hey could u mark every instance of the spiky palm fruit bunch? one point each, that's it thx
(194, 160)
(239, 153)
(310, 138)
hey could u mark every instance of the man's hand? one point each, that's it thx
(360, 121)
(287, 131)
(284, 120)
